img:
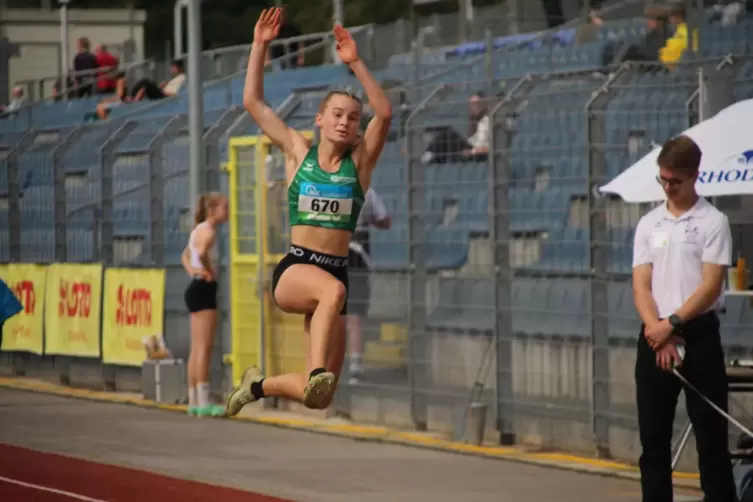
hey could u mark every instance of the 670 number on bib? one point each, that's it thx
(325, 205)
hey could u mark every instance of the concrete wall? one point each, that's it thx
(37, 31)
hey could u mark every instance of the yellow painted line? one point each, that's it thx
(593, 462)
(360, 429)
(561, 460)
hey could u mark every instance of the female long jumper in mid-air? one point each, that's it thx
(326, 186)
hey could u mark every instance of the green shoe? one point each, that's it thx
(241, 395)
(212, 410)
(319, 390)
(192, 411)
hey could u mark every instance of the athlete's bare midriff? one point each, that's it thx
(324, 240)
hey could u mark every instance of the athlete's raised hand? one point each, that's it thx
(268, 26)
(346, 46)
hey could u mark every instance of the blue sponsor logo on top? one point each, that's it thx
(327, 191)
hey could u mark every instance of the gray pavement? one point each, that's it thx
(300, 466)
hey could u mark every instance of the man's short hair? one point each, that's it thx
(84, 43)
(680, 153)
(178, 63)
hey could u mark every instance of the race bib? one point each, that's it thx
(325, 202)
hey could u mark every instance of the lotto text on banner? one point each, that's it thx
(24, 332)
(134, 302)
(73, 309)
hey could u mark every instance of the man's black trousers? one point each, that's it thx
(657, 392)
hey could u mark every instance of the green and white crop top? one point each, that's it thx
(321, 199)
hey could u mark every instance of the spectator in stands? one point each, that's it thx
(120, 97)
(374, 213)
(731, 13)
(648, 49)
(108, 65)
(676, 46)
(146, 88)
(449, 145)
(16, 102)
(84, 61)
(277, 52)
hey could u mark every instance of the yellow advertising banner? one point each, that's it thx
(25, 331)
(134, 304)
(73, 309)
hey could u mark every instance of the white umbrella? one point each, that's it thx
(726, 141)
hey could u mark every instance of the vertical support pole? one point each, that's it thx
(178, 28)
(417, 56)
(213, 175)
(60, 203)
(499, 230)
(598, 259)
(14, 196)
(64, 47)
(104, 217)
(157, 189)
(195, 102)
(105, 252)
(417, 344)
(489, 57)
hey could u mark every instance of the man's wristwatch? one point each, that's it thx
(675, 321)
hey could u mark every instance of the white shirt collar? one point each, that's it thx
(699, 209)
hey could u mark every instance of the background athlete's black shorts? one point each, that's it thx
(334, 265)
(201, 295)
(359, 292)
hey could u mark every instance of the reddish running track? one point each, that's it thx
(33, 476)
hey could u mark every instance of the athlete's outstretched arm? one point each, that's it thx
(371, 145)
(267, 28)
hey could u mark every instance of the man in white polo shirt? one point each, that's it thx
(680, 255)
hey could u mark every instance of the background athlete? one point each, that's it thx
(326, 190)
(200, 261)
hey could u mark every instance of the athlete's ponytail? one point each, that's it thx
(201, 210)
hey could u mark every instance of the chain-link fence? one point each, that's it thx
(504, 278)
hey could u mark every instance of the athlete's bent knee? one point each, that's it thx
(335, 294)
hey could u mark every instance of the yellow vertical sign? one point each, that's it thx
(73, 309)
(134, 305)
(25, 331)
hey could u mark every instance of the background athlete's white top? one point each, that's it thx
(373, 210)
(677, 248)
(195, 259)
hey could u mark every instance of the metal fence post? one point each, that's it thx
(489, 56)
(598, 259)
(500, 237)
(157, 189)
(60, 206)
(104, 217)
(417, 346)
(211, 145)
(212, 182)
(14, 195)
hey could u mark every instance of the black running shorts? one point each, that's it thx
(201, 295)
(334, 265)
